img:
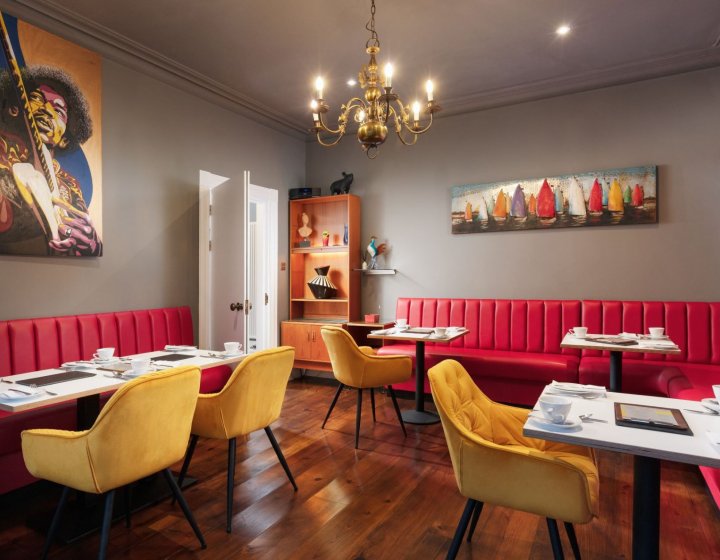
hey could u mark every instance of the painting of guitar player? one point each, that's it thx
(50, 144)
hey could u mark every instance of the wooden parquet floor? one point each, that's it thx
(394, 498)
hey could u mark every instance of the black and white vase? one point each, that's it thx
(320, 286)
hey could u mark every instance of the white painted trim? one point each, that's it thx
(207, 181)
(269, 199)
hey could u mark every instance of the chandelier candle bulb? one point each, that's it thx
(429, 89)
(388, 75)
(416, 111)
(319, 85)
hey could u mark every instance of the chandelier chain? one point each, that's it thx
(374, 40)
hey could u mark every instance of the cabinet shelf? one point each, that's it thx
(376, 271)
(328, 300)
(332, 249)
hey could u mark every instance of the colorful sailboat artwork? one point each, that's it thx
(559, 201)
(595, 203)
(622, 196)
(499, 213)
(518, 209)
(546, 203)
(576, 199)
(615, 198)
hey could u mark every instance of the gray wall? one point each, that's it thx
(155, 140)
(673, 122)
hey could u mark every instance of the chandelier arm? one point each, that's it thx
(406, 142)
(420, 130)
(340, 129)
(328, 144)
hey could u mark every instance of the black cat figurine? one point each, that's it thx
(342, 185)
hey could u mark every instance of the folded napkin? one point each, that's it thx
(633, 336)
(653, 343)
(178, 347)
(19, 394)
(577, 387)
(382, 331)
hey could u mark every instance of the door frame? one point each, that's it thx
(268, 198)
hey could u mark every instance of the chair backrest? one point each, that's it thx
(348, 362)
(253, 396)
(143, 428)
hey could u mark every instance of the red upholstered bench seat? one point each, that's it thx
(512, 349)
(34, 344)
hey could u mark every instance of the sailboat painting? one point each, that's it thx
(626, 196)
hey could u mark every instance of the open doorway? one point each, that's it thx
(238, 268)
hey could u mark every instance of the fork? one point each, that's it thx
(34, 386)
(710, 412)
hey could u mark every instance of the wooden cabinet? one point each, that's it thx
(336, 215)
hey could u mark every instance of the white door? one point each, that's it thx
(262, 267)
(238, 238)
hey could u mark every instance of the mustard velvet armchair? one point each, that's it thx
(359, 368)
(495, 463)
(250, 400)
(142, 430)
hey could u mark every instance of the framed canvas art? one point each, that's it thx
(50, 144)
(624, 196)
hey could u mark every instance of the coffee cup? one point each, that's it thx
(555, 409)
(139, 365)
(104, 353)
(440, 331)
(401, 323)
(580, 332)
(716, 390)
(232, 347)
(656, 332)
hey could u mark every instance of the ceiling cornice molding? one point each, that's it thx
(596, 79)
(117, 47)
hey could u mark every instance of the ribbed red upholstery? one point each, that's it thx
(513, 349)
(34, 344)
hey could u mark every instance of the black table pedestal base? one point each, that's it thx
(419, 417)
(646, 509)
(616, 371)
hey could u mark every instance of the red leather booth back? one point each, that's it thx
(77, 337)
(539, 325)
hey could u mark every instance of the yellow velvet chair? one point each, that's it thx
(358, 367)
(250, 400)
(142, 430)
(495, 463)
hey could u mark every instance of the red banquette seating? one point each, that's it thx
(34, 344)
(513, 348)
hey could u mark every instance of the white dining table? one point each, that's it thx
(648, 447)
(87, 390)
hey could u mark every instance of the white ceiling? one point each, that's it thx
(481, 53)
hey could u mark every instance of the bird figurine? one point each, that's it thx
(373, 251)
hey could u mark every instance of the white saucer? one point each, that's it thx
(78, 365)
(179, 348)
(105, 361)
(663, 337)
(15, 396)
(571, 423)
(711, 404)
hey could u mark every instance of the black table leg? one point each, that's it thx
(419, 415)
(646, 509)
(88, 409)
(616, 372)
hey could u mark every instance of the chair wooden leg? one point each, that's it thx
(55, 521)
(358, 413)
(397, 409)
(186, 463)
(280, 456)
(106, 522)
(555, 539)
(126, 495)
(183, 504)
(460, 531)
(475, 516)
(372, 402)
(230, 482)
(332, 405)
(570, 530)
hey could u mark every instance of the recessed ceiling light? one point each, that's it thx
(563, 30)
(351, 82)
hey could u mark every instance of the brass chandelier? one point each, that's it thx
(380, 108)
